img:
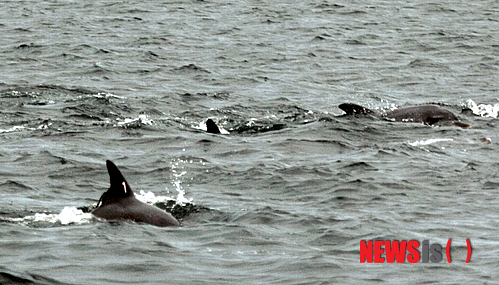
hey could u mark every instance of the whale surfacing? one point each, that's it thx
(426, 114)
(119, 203)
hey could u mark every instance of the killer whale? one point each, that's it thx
(426, 114)
(119, 203)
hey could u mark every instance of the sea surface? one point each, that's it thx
(288, 191)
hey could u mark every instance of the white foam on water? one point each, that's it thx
(137, 122)
(68, 215)
(483, 110)
(150, 198)
(13, 129)
(107, 95)
(428, 141)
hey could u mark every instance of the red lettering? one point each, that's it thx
(412, 248)
(366, 251)
(378, 251)
(395, 250)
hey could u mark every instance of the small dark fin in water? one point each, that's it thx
(353, 109)
(211, 127)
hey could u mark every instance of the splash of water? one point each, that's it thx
(135, 123)
(177, 173)
(68, 215)
(483, 110)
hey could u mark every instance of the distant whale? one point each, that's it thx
(426, 114)
(119, 203)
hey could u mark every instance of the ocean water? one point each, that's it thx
(289, 190)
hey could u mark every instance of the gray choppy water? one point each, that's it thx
(287, 196)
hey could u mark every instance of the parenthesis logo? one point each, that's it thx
(447, 251)
(468, 244)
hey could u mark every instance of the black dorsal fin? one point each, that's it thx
(353, 109)
(118, 188)
(211, 127)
